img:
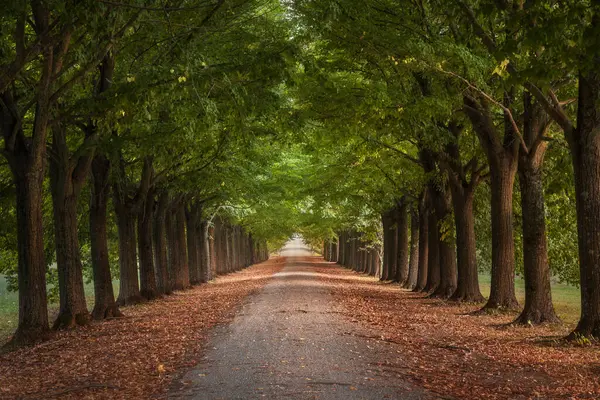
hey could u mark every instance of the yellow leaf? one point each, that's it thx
(500, 70)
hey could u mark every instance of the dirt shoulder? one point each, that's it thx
(456, 354)
(134, 357)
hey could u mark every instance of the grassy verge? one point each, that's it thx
(566, 298)
(9, 306)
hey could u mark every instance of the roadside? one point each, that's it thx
(134, 357)
(457, 354)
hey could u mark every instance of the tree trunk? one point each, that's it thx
(205, 275)
(65, 191)
(433, 259)
(387, 247)
(191, 219)
(342, 241)
(502, 158)
(468, 278)
(33, 306)
(73, 308)
(148, 287)
(104, 296)
(502, 291)
(586, 162)
(447, 247)
(584, 143)
(212, 266)
(181, 241)
(159, 231)
(218, 246)
(423, 267)
(377, 262)
(413, 267)
(538, 297)
(172, 250)
(26, 157)
(129, 290)
(402, 243)
(105, 305)
(227, 247)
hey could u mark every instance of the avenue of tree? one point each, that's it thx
(162, 142)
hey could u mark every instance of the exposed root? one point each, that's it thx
(66, 320)
(26, 337)
(131, 300)
(150, 294)
(462, 297)
(536, 317)
(101, 312)
(501, 306)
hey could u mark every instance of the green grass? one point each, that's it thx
(9, 306)
(9, 309)
(566, 298)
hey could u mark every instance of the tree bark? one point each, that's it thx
(433, 258)
(342, 241)
(66, 179)
(161, 262)
(192, 220)
(181, 241)
(502, 291)
(447, 246)
(538, 296)
(127, 209)
(423, 267)
(172, 249)
(502, 158)
(205, 275)
(387, 247)
(129, 290)
(413, 266)
(148, 286)
(467, 289)
(105, 305)
(218, 246)
(402, 243)
(212, 251)
(586, 163)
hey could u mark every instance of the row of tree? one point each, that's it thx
(438, 97)
(132, 135)
(340, 120)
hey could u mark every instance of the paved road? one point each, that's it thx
(290, 341)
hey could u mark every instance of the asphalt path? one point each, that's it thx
(291, 341)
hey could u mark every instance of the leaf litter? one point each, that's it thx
(444, 348)
(134, 357)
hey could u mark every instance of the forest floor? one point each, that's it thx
(134, 357)
(449, 350)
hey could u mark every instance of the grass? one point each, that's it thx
(566, 298)
(9, 306)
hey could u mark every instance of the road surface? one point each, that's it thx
(290, 341)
